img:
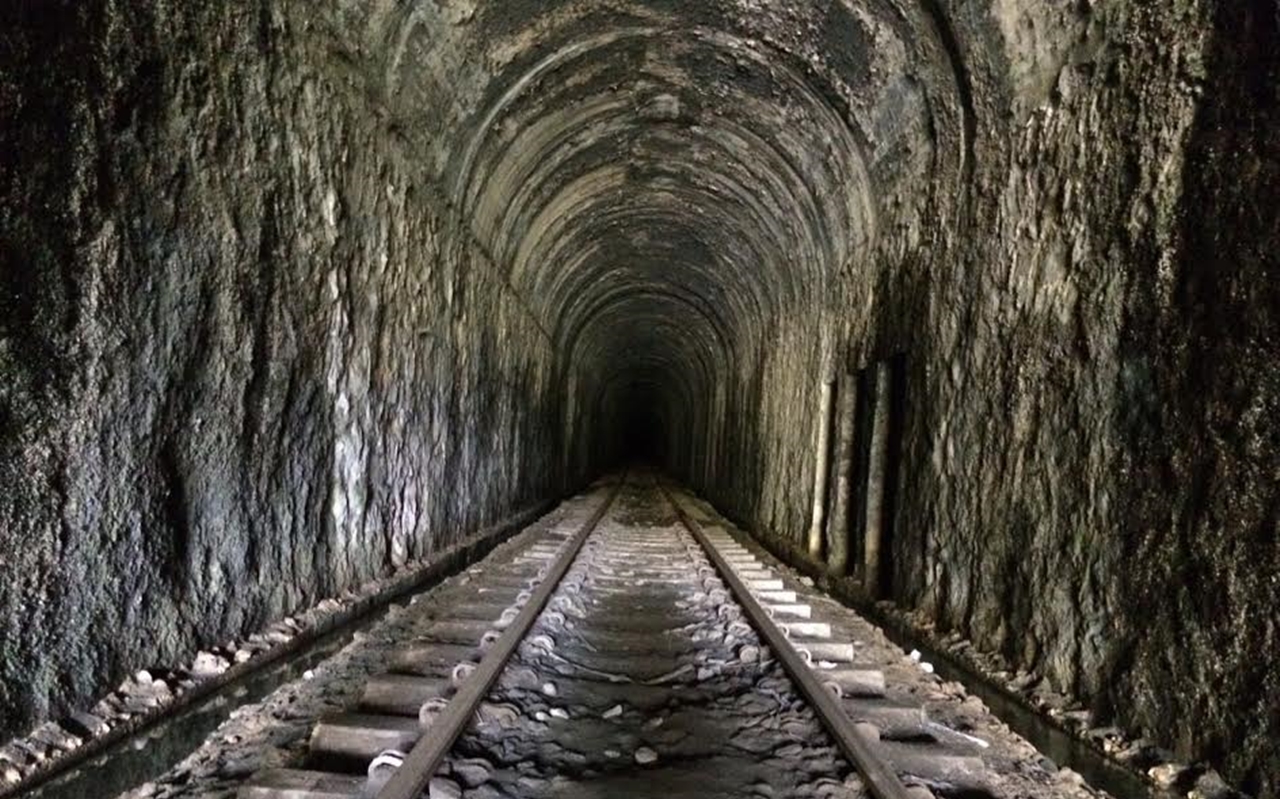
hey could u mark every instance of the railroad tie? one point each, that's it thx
(615, 613)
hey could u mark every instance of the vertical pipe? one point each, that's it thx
(821, 467)
(714, 480)
(569, 440)
(838, 526)
(709, 447)
(878, 464)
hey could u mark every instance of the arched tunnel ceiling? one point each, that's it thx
(663, 181)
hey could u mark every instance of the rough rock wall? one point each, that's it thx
(245, 360)
(253, 356)
(1091, 466)
(1200, 503)
(768, 474)
(1090, 463)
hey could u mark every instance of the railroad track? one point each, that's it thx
(636, 653)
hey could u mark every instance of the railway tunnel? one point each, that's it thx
(966, 310)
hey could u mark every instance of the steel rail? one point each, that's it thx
(878, 774)
(415, 773)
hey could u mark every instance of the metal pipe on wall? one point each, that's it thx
(822, 466)
(838, 525)
(878, 466)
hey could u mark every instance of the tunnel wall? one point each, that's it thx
(246, 359)
(1090, 492)
(254, 348)
(1089, 332)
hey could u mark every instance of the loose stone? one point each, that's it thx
(472, 772)
(1168, 775)
(441, 788)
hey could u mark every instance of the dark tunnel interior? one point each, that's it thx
(971, 303)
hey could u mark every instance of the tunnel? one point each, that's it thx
(967, 307)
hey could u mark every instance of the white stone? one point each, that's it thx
(472, 772)
(644, 756)
(440, 788)
(1067, 776)
(1167, 775)
(207, 664)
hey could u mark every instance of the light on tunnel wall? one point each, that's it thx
(821, 468)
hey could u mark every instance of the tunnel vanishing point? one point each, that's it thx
(973, 303)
